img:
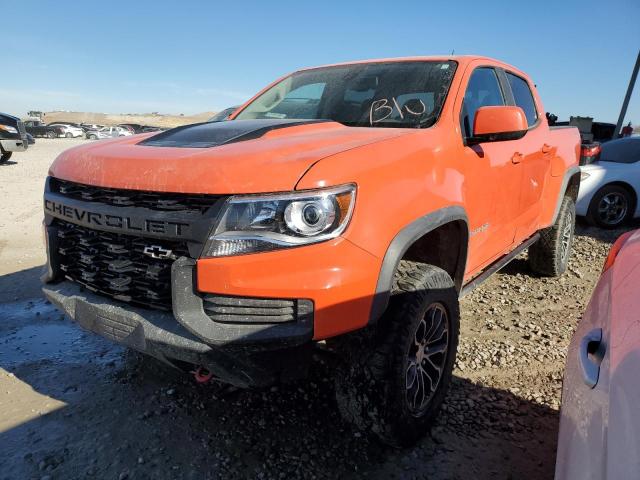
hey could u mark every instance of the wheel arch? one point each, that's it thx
(570, 186)
(447, 229)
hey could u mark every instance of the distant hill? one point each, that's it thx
(152, 119)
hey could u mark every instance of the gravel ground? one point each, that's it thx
(75, 406)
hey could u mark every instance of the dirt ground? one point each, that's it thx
(75, 406)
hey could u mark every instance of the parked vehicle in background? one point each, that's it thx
(13, 136)
(352, 203)
(135, 127)
(30, 139)
(128, 128)
(108, 132)
(147, 129)
(91, 126)
(608, 195)
(39, 129)
(68, 130)
(223, 114)
(590, 131)
(600, 413)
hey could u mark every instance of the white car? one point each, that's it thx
(108, 132)
(609, 188)
(69, 131)
(599, 436)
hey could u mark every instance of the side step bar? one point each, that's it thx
(497, 265)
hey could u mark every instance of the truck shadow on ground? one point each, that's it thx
(585, 229)
(126, 416)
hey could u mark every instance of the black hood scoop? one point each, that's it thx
(213, 134)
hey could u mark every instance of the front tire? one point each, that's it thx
(51, 134)
(549, 256)
(611, 207)
(398, 373)
(69, 135)
(92, 137)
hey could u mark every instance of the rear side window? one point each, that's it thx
(523, 97)
(623, 150)
(483, 90)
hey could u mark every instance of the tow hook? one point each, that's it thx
(202, 375)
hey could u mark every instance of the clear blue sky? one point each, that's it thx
(187, 56)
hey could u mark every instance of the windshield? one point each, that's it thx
(391, 94)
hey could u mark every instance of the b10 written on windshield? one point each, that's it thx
(382, 109)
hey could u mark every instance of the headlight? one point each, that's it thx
(253, 223)
(584, 176)
(9, 129)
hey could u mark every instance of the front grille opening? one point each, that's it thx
(116, 265)
(161, 201)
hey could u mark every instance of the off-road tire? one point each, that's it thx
(624, 194)
(51, 134)
(5, 156)
(371, 384)
(549, 256)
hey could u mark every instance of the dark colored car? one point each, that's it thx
(13, 137)
(150, 129)
(39, 129)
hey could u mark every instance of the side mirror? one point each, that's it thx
(497, 124)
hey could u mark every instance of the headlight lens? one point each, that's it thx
(255, 223)
(9, 129)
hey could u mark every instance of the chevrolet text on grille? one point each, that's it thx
(116, 221)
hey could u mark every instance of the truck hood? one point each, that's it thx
(240, 156)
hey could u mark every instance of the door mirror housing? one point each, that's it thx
(498, 124)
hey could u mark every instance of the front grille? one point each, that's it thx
(226, 309)
(115, 265)
(162, 201)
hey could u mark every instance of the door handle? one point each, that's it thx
(517, 157)
(590, 356)
(546, 148)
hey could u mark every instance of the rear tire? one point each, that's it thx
(549, 256)
(5, 156)
(397, 373)
(611, 207)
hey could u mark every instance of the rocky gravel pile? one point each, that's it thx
(123, 420)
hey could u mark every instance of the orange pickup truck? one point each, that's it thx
(345, 207)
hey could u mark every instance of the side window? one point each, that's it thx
(523, 97)
(483, 90)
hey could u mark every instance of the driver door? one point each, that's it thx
(492, 179)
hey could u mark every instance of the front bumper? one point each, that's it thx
(243, 355)
(14, 145)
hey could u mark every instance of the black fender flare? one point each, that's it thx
(568, 175)
(401, 243)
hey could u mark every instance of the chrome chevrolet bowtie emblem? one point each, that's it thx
(156, 251)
